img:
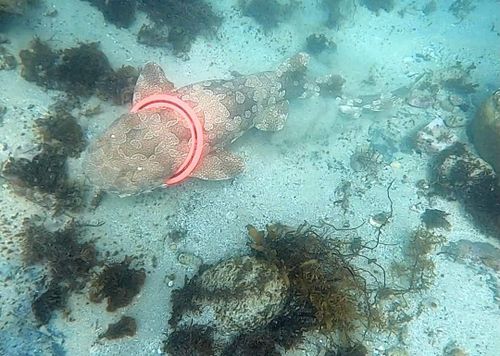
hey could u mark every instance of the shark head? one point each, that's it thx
(138, 151)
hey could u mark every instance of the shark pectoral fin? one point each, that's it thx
(273, 118)
(219, 165)
(152, 80)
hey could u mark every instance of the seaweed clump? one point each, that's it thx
(416, 271)
(267, 13)
(435, 219)
(118, 12)
(118, 283)
(318, 43)
(81, 67)
(61, 131)
(323, 291)
(54, 298)
(377, 5)
(44, 178)
(14, 7)
(192, 340)
(126, 326)
(322, 281)
(185, 21)
(339, 11)
(83, 70)
(68, 261)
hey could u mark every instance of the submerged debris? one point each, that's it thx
(126, 326)
(118, 283)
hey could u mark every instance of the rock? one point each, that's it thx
(456, 173)
(485, 131)
(240, 294)
(435, 137)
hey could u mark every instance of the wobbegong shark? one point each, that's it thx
(142, 149)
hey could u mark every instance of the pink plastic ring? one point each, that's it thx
(195, 151)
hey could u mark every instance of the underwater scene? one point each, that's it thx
(250, 177)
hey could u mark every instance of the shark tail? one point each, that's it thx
(292, 75)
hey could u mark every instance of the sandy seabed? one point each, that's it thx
(291, 176)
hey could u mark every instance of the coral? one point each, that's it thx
(118, 283)
(126, 326)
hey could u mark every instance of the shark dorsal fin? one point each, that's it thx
(152, 80)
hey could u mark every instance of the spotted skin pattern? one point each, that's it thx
(140, 150)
